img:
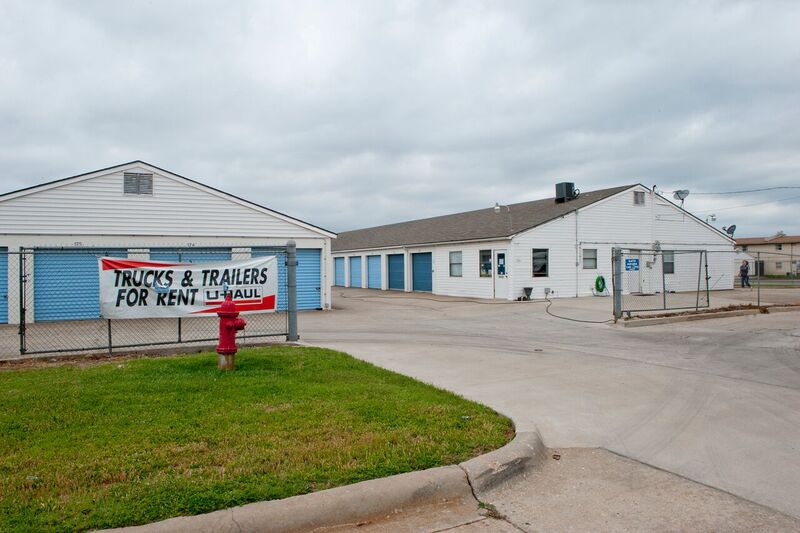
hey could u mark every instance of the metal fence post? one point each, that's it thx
(699, 275)
(616, 258)
(291, 287)
(708, 290)
(664, 280)
(23, 280)
(758, 277)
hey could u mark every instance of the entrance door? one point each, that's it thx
(500, 274)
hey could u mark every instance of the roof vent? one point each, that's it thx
(566, 191)
(137, 183)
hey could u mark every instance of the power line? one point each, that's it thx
(750, 190)
(759, 203)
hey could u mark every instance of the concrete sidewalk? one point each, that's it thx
(589, 490)
(717, 402)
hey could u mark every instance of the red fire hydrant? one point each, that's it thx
(229, 324)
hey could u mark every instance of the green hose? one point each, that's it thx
(600, 284)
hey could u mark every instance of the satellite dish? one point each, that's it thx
(730, 229)
(681, 195)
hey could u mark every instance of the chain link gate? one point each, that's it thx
(659, 280)
(55, 307)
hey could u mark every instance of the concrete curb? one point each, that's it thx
(369, 500)
(486, 472)
(639, 322)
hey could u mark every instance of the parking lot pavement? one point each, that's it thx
(716, 401)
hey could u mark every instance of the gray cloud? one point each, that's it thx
(350, 114)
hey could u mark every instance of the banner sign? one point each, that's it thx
(155, 289)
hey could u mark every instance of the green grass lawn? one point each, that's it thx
(132, 441)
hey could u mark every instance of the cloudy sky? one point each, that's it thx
(350, 114)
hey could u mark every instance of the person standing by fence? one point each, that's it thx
(744, 274)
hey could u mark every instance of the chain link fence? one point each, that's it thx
(647, 281)
(52, 304)
(660, 280)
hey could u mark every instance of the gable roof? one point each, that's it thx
(481, 224)
(775, 239)
(212, 190)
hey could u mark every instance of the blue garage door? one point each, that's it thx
(338, 266)
(397, 271)
(309, 271)
(195, 255)
(374, 271)
(309, 278)
(422, 271)
(355, 271)
(66, 283)
(3, 285)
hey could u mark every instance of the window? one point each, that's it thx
(744, 248)
(669, 262)
(589, 258)
(540, 260)
(137, 183)
(779, 247)
(455, 265)
(485, 258)
(779, 264)
(638, 197)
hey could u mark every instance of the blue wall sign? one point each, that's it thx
(631, 264)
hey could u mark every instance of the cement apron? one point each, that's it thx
(448, 494)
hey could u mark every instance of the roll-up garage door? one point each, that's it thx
(3, 285)
(66, 283)
(374, 271)
(396, 264)
(338, 266)
(309, 276)
(422, 271)
(355, 271)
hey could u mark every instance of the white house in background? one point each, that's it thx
(140, 211)
(559, 245)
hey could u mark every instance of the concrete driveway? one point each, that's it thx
(716, 401)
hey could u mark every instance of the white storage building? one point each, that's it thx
(140, 211)
(559, 244)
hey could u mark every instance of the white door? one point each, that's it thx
(500, 274)
(632, 271)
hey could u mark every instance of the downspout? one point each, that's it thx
(653, 217)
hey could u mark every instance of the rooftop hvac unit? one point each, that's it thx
(565, 191)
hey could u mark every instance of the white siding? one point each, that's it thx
(617, 222)
(614, 222)
(470, 284)
(97, 206)
(558, 237)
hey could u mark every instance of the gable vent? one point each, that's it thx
(137, 183)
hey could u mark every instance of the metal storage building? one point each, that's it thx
(559, 244)
(141, 211)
